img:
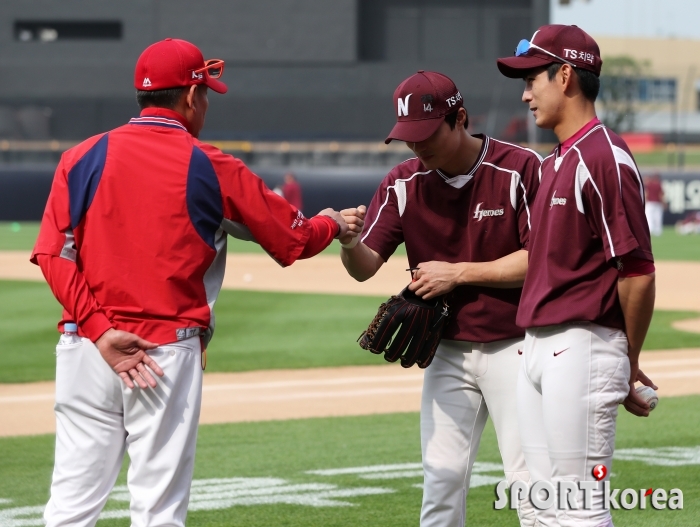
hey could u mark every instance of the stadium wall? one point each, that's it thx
(296, 69)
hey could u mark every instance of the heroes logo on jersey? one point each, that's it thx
(480, 213)
(556, 201)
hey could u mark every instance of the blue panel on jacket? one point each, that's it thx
(204, 202)
(83, 179)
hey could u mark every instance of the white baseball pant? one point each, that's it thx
(465, 383)
(98, 417)
(654, 212)
(572, 380)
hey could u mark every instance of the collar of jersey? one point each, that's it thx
(463, 179)
(161, 117)
(580, 134)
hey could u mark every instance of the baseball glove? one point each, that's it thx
(407, 327)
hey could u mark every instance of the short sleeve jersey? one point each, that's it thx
(589, 211)
(143, 211)
(475, 217)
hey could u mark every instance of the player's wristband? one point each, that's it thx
(351, 243)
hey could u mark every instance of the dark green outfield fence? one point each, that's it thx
(25, 187)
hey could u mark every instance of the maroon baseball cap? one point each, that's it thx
(171, 63)
(422, 101)
(553, 43)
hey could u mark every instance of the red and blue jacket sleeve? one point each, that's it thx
(58, 258)
(281, 229)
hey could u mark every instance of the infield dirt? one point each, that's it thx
(27, 409)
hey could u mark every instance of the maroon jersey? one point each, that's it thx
(475, 217)
(292, 193)
(589, 211)
(654, 191)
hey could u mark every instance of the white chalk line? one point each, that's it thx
(269, 397)
(313, 382)
(648, 367)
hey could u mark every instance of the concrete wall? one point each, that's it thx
(295, 68)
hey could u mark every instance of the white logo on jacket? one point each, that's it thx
(298, 221)
(556, 200)
(481, 213)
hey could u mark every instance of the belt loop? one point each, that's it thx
(204, 353)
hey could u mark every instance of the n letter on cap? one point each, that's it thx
(403, 105)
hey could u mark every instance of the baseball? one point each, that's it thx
(649, 395)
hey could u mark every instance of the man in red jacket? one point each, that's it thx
(133, 245)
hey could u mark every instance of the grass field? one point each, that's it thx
(671, 159)
(273, 459)
(20, 236)
(671, 246)
(255, 330)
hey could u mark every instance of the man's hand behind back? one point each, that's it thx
(126, 355)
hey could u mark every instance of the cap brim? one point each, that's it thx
(515, 67)
(414, 131)
(216, 85)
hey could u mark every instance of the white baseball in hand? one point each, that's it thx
(649, 395)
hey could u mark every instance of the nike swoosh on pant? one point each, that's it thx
(560, 352)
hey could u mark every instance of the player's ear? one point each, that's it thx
(191, 96)
(462, 119)
(566, 76)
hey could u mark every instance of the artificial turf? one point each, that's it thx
(287, 450)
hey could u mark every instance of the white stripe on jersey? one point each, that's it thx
(588, 177)
(521, 148)
(545, 159)
(463, 179)
(514, 180)
(583, 175)
(386, 200)
(557, 162)
(515, 175)
(401, 196)
(622, 157)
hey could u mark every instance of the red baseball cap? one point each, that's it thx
(553, 43)
(422, 101)
(171, 63)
